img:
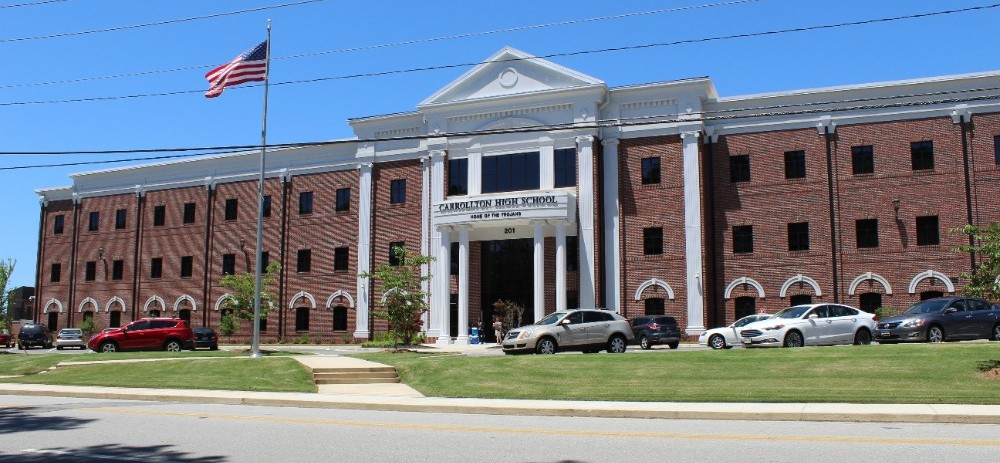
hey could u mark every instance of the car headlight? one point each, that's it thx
(525, 334)
(913, 322)
(773, 328)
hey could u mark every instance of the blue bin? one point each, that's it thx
(474, 335)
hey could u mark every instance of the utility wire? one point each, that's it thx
(551, 55)
(393, 44)
(40, 2)
(157, 23)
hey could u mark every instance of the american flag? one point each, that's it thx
(251, 66)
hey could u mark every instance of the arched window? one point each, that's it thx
(870, 301)
(340, 318)
(154, 313)
(654, 306)
(745, 305)
(930, 295)
(185, 314)
(800, 299)
(302, 319)
(116, 319)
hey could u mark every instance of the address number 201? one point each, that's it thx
(509, 230)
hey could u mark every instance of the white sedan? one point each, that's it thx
(727, 336)
(811, 325)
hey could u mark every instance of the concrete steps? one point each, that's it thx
(355, 375)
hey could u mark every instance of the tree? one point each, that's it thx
(227, 326)
(88, 326)
(984, 281)
(405, 301)
(510, 312)
(6, 300)
(241, 292)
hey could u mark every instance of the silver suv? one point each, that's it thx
(587, 330)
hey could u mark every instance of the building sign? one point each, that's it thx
(506, 207)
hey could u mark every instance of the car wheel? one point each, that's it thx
(935, 334)
(616, 345)
(862, 338)
(674, 345)
(214, 347)
(172, 346)
(717, 342)
(58, 347)
(108, 347)
(644, 342)
(793, 339)
(996, 333)
(546, 346)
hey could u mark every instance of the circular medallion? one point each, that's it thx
(508, 77)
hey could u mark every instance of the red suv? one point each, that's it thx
(169, 334)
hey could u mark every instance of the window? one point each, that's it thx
(121, 217)
(510, 172)
(265, 260)
(397, 191)
(927, 231)
(340, 258)
(795, 164)
(159, 215)
(91, 271)
(56, 273)
(394, 248)
(800, 299)
(232, 205)
(187, 262)
(302, 319)
(343, 199)
(95, 221)
(156, 267)
(228, 264)
(652, 241)
(340, 318)
(862, 160)
(742, 239)
(565, 167)
(745, 305)
(117, 269)
(262, 323)
(572, 254)
(650, 171)
(654, 306)
(453, 257)
(189, 210)
(266, 212)
(922, 155)
(304, 261)
(798, 236)
(306, 202)
(458, 177)
(866, 231)
(869, 302)
(60, 222)
(996, 150)
(739, 168)
(116, 319)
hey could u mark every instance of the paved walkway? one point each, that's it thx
(400, 397)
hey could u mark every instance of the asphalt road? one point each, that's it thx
(40, 429)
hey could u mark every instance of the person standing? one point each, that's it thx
(498, 329)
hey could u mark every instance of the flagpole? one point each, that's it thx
(255, 343)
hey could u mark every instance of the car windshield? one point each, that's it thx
(748, 320)
(551, 318)
(793, 312)
(928, 306)
(70, 331)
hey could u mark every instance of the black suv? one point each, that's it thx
(656, 329)
(33, 334)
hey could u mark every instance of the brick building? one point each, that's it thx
(533, 183)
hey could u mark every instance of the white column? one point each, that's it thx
(443, 291)
(560, 265)
(546, 163)
(474, 176)
(425, 208)
(585, 165)
(436, 195)
(612, 210)
(463, 285)
(692, 235)
(364, 248)
(539, 269)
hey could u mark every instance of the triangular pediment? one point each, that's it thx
(509, 72)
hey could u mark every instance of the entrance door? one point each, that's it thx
(507, 274)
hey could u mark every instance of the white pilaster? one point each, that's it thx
(547, 163)
(436, 195)
(612, 211)
(425, 208)
(463, 285)
(692, 235)
(539, 269)
(585, 165)
(364, 248)
(474, 177)
(441, 285)
(560, 265)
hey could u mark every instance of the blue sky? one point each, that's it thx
(325, 31)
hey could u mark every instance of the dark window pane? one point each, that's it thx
(458, 177)
(266, 212)
(862, 160)
(742, 239)
(745, 306)
(302, 319)
(228, 264)
(867, 233)
(56, 273)
(927, 231)
(304, 261)
(117, 269)
(397, 191)
(232, 205)
(798, 236)
(60, 222)
(393, 256)
(159, 215)
(189, 210)
(91, 271)
(187, 264)
(453, 257)
(739, 168)
(654, 306)
(652, 241)
(922, 155)
(95, 221)
(565, 167)
(795, 164)
(341, 258)
(306, 202)
(650, 171)
(869, 302)
(343, 199)
(510, 172)
(116, 319)
(121, 217)
(572, 254)
(996, 150)
(265, 260)
(156, 267)
(340, 318)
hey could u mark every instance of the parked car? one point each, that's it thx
(70, 337)
(33, 334)
(942, 319)
(587, 330)
(206, 337)
(656, 329)
(727, 336)
(5, 339)
(170, 334)
(811, 325)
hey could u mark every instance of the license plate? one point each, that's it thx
(883, 334)
(746, 340)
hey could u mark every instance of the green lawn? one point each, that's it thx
(943, 373)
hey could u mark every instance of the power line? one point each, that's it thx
(393, 44)
(157, 23)
(40, 2)
(547, 56)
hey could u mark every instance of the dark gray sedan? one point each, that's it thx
(942, 319)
